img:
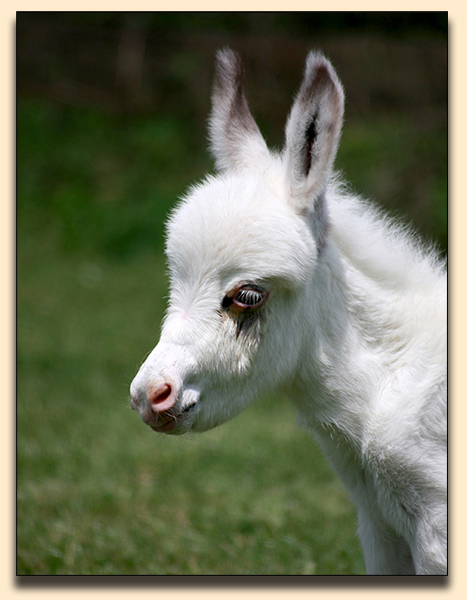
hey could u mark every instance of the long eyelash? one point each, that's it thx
(249, 297)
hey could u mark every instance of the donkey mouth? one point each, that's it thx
(165, 427)
(172, 423)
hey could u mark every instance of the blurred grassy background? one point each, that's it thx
(111, 123)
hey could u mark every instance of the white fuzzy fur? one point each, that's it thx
(353, 330)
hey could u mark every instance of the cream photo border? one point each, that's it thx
(279, 587)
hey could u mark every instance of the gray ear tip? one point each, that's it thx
(319, 68)
(316, 60)
(224, 53)
(317, 55)
(228, 60)
(229, 71)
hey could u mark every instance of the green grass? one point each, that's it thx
(97, 491)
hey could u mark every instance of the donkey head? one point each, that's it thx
(243, 248)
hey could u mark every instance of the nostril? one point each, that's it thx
(162, 397)
(162, 393)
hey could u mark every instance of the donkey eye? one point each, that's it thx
(245, 298)
(248, 297)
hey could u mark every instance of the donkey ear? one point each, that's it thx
(312, 134)
(236, 141)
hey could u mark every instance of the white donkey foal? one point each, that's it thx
(280, 279)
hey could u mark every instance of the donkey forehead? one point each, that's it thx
(235, 223)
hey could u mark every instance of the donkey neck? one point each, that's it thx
(345, 360)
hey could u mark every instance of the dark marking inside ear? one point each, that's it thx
(310, 136)
(231, 123)
(229, 87)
